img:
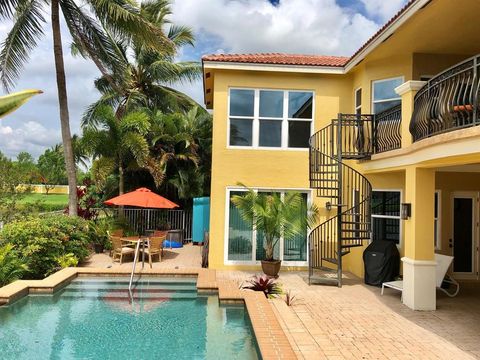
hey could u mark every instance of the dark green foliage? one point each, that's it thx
(11, 266)
(43, 241)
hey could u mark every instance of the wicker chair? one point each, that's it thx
(155, 246)
(119, 249)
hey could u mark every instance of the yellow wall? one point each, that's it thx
(368, 71)
(448, 183)
(264, 168)
(40, 189)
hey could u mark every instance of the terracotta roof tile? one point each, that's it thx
(279, 59)
(296, 59)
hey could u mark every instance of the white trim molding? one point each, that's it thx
(419, 284)
(411, 85)
(310, 69)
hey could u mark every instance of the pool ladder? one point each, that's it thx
(135, 259)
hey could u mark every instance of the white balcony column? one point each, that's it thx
(407, 91)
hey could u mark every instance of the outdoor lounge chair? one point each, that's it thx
(443, 263)
(154, 248)
(119, 249)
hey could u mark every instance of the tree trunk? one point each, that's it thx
(63, 105)
(121, 179)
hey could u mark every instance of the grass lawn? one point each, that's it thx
(52, 200)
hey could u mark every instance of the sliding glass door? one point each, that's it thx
(245, 244)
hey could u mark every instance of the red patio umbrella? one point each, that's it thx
(142, 197)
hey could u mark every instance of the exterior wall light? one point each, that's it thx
(405, 211)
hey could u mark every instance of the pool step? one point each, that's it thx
(135, 285)
(137, 279)
(124, 294)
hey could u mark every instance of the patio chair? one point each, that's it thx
(117, 232)
(155, 246)
(119, 249)
(443, 263)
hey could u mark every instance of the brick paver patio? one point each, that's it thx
(355, 322)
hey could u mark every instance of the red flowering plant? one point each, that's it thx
(87, 201)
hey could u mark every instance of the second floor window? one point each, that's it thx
(358, 101)
(384, 96)
(270, 118)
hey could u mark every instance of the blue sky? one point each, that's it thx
(327, 27)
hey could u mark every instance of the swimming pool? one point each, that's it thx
(94, 318)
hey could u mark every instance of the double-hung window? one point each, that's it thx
(384, 96)
(244, 244)
(270, 119)
(386, 216)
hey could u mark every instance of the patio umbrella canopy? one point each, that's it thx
(142, 197)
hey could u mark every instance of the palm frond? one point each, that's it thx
(21, 39)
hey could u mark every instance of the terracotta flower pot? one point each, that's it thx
(271, 268)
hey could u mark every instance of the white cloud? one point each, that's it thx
(221, 26)
(382, 9)
(294, 26)
(30, 136)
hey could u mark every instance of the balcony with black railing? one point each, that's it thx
(448, 102)
(387, 130)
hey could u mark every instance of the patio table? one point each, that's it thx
(137, 240)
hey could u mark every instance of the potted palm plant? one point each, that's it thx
(275, 217)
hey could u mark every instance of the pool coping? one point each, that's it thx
(271, 339)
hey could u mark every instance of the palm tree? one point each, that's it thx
(117, 140)
(173, 141)
(121, 17)
(275, 216)
(142, 76)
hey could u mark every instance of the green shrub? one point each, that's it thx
(44, 240)
(11, 267)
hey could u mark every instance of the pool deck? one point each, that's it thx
(325, 322)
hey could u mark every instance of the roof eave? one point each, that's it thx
(385, 34)
(315, 69)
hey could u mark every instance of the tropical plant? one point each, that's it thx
(11, 266)
(117, 140)
(42, 241)
(143, 77)
(290, 298)
(64, 261)
(265, 284)
(275, 216)
(121, 17)
(11, 102)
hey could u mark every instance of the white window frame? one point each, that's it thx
(256, 120)
(253, 261)
(383, 100)
(357, 106)
(438, 221)
(400, 227)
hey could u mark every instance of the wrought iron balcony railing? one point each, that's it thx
(448, 102)
(387, 130)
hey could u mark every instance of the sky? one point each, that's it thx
(322, 27)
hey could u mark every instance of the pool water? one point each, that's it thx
(94, 318)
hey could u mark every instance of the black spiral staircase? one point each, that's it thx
(350, 137)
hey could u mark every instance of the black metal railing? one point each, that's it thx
(387, 130)
(448, 102)
(348, 137)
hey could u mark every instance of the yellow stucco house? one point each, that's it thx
(385, 142)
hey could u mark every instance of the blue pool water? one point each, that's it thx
(93, 318)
